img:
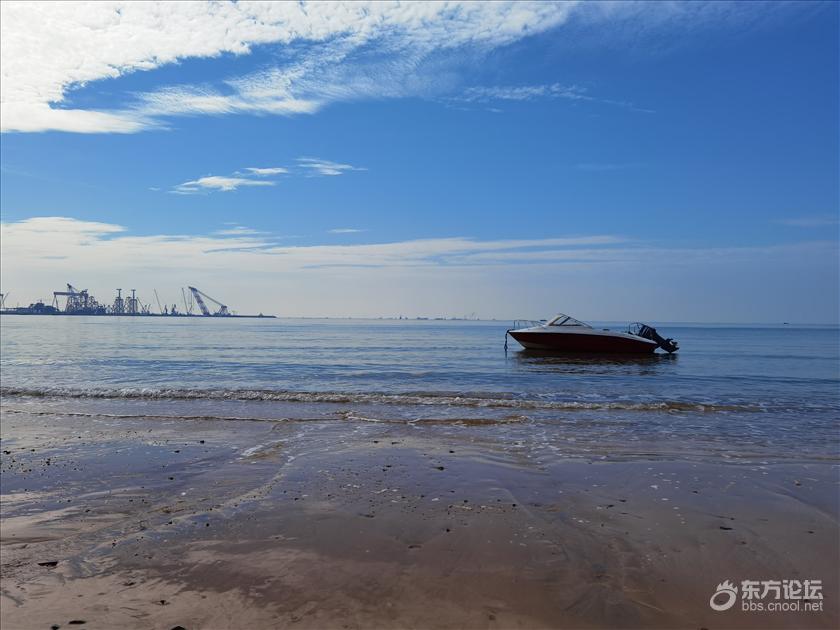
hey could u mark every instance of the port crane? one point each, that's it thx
(223, 310)
(162, 309)
(72, 294)
(79, 302)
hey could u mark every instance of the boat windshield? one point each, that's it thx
(565, 320)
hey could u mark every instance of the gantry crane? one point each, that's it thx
(222, 312)
(79, 302)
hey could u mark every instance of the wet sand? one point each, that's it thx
(208, 523)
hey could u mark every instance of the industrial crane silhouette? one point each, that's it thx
(78, 302)
(222, 312)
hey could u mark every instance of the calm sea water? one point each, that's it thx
(741, 391)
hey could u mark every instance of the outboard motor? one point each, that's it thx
(649, 332)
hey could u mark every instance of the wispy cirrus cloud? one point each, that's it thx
(494, 94)
(332, 52)
(216, 183)
(507, 277)
(260, 176)
(71, 237)
(49, 49)
(316, 166)
(272, 170)
(239, 230)
(346, 231)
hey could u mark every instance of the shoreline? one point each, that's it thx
(321, 524)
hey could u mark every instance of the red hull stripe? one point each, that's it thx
(567, 342)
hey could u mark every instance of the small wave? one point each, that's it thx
(450, 399)
(340, 416)
(150, 416)
(468, 421)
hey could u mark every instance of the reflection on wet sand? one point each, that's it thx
(135, 523)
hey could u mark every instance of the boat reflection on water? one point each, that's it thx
(592, 363)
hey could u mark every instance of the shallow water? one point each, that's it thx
(753, 392)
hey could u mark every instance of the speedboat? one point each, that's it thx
(566, 334)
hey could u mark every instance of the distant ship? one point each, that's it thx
(566, 334)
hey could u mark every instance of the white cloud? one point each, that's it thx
(48, 49)
(26, 241)
(90, 242)
(522, 92)
(595, 276)
(74, 229)
(35, 116)
(346, 231)
(311, 166)
(326, 167)
(189, 100)
(239, 230)
(217, 182)
(273, 170)
(487, 94)
(337, 51)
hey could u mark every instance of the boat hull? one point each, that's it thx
(589, 343)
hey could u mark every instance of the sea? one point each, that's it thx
(755, 393)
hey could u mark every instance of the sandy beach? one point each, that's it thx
(412, 315)
(141, 522)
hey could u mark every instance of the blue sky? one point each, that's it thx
(662, 161)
